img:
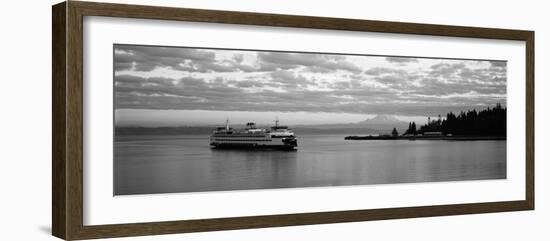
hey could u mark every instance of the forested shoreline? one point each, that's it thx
(487, 122)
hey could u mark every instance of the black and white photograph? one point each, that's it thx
(271, 120)
(192, 119)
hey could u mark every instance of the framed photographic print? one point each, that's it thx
(171, 120)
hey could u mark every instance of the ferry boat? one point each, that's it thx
(277, 137)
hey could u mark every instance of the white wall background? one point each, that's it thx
(25, 120)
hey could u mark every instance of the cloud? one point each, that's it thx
(401, 60)
(382, 70)
(319, 63)
(228, 80)
(445, 70)
(500, 64)
(290, 79)
(238, 58)
(147, 58)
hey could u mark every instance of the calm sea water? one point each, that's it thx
(185, 163)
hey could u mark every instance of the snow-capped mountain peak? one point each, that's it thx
(382, 119)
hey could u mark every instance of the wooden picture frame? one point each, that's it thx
(67, 124)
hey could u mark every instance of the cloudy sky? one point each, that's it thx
(160, 86)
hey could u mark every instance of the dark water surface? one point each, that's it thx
(185, 163)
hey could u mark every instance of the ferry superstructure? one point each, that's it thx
(276, 137)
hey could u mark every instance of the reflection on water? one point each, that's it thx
(185, 163)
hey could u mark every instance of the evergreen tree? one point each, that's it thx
(394, 132)
(488, 122)
(411, 130)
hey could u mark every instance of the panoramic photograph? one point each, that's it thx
(190, 119)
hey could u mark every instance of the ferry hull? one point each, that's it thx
(251, 146)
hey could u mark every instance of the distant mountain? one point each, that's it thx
(385, 122)
(378, 124)
(203, 130)
(176, 130)
(381, 124)
(382, 119)
(337, 130)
